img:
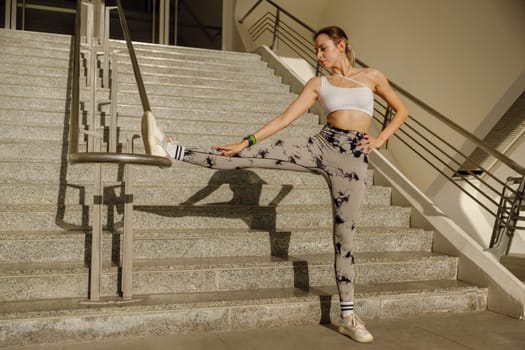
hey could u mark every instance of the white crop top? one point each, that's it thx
(333, 98)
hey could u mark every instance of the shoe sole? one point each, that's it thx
(348, 333)
(148, 130)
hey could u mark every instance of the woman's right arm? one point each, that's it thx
(298, 107)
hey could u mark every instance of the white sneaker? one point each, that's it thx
(354, 327)
(153, 138)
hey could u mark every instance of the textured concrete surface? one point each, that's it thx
(480, 331)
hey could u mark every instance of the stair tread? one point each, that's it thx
(214, 263)
(164, 302)
(5, 207)
(196, 233)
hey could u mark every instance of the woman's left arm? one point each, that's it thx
(383, 88)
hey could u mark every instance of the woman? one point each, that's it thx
(339, 151)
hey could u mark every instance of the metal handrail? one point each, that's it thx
(505, 217)
(94, 155)
(76, 157)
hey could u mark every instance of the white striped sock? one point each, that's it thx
(347, 308)
(175, 151)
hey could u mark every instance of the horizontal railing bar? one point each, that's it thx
(291, 16)
(451, 179)
(266, 25)
(120, 158)
(449, 167)
(502, 183)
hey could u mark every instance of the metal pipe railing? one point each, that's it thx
(76, 157)
(94, 153)
(506, 216)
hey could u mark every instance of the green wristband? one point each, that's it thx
(251, 139)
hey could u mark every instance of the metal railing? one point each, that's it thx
(92, 18)
(501, 198)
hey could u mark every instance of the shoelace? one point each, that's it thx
(356, 322)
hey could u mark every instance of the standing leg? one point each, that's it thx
(348, 189)
(346, 171)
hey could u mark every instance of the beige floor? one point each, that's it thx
(481, 330)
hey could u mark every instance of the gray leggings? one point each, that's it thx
(332, 152)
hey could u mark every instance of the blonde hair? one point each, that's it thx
(337, 35)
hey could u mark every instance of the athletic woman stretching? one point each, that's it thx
(339, 150)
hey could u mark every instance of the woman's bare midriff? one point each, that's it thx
(350, 120)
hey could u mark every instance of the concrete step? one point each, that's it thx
(215, 274)
(196, 113)
(70, 246)
(60, 104)
(204, 194)
(215, 100)
(53, 105)
(282, 218)
(214, 61)
(18, 62)
(131, 114)
(54, 172)
(59, 64)
(68, 320)
(272, 84)
(34, 38)
(38, 92)
(40, 40)
(49, 42)
(171, 56)
(191, 53)
(47, 54)
(203, 71)
(209, 133)
(226, 93)
(34, 80)
(187, 98)
(10, 65)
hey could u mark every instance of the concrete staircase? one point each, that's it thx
(215, 250)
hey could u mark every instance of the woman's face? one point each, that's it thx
(328, 53)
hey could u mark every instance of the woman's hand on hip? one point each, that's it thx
(369, 143)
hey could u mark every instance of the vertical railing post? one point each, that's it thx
(507, 218)
(113, 127)
(23, 15)
(96, 234)
(276, 28)
(10, 14)
(164, 22)
(127, 239)
(105, 34)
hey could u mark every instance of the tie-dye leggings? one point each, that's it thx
(332, 152)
